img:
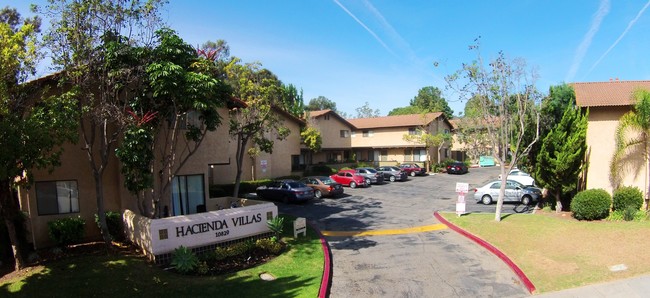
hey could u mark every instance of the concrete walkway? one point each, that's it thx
(628, 288)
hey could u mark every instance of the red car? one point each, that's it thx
(413, 169)
(349, 178)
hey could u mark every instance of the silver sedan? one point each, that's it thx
(515, 192)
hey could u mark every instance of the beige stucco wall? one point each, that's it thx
(330, 129)
(601, 143)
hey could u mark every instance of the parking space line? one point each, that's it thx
(412, 230)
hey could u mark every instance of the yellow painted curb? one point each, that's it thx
(385, 232)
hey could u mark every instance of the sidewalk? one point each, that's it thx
(629, 288)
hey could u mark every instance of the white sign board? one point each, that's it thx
(299, 227)
(206, 228)
(460, 208)
(462, 187)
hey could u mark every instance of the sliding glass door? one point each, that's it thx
(187, 194)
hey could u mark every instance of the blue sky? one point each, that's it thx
(383, 52)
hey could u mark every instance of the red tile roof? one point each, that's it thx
(395, 121)
(613, 93)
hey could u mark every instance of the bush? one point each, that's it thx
(627, 196)
(184, 260)
(115, 225)
(591, 204)
(619, 215)
(629, 213)
(320, 170)
(66, 231)
(276, 225)
(236, 249)
(269, 245)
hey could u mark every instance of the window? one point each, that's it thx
(407, 155)
(367, 133)
(187, 194)
(191, 118)
(383, 155)
(345, 133)
(414, 131)
(353, 134)
(326, 117)
(446, 130)
(57, 197)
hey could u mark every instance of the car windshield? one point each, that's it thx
(327, 180)
(394, 168)
(371, 171)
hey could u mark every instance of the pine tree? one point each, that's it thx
(561, 158)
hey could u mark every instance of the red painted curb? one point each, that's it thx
(522, 276)
(327, 264)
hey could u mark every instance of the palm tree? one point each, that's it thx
(632, 139)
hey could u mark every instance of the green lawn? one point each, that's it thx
(559, 253)
(298, 273)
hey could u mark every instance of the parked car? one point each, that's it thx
(285, 191)
(349, 178)
(515, 192)
(457, 167)
(372, 176)
(413, 169)
(393, 173)
(323, 186)
(520, 176)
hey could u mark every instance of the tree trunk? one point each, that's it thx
(9, 211)
(101, 211)
(504, 177)
(241, 148)
(558, 201)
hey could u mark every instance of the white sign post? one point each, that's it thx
(299, 226)
(461, 189)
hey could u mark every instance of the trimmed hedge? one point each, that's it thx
(591, 204)
(114, 224)
(66, 231)
(627, 196)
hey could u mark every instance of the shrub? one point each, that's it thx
(184, 260)
(269, 245)
(627, 196)
(276, 225)
(115, 225)
(66, 231)
(591, 204)
(320, 170)
(236, 249)
(619, 215)
(202, 268)
(629, 213)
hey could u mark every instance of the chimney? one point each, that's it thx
(617, 79)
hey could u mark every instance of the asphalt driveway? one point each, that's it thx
(438, 263)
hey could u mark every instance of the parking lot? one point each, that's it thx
(437, 263)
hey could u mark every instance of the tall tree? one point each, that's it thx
(561, 157)
(177, 109)
(365, 111)
(292, 101)
(255, 126)
(632, 140)
(85, 40)
(321, 103)
(560, 98)
(507, 95)
(428, 100)
(32, 129)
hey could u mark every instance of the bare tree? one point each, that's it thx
(506, 97)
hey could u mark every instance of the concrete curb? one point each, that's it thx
(522, 276)
(326, 281)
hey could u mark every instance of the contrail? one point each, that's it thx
(629, 26)
(603, 10)
(365, 27)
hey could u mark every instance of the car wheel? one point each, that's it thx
(353, 184)
(367, 182)
(412, 174)
(526, 200)
(392, 178)
(486, 200)
(318, 194)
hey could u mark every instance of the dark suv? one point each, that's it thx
(413, 169)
